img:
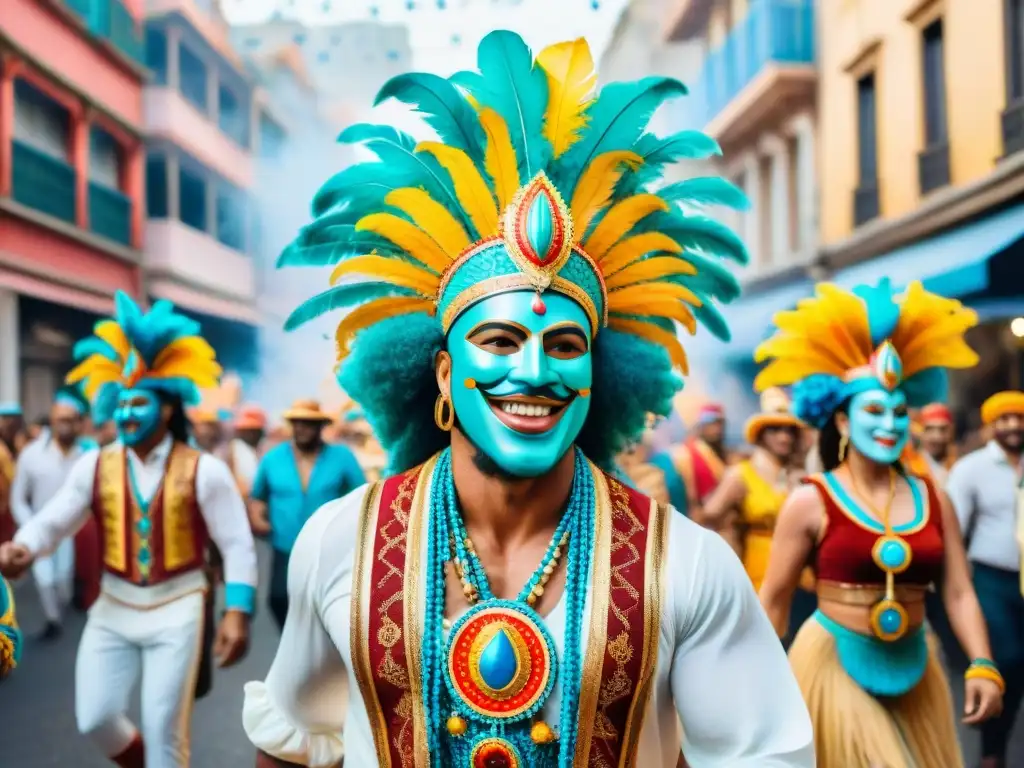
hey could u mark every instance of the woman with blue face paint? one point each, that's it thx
(499, 599)
(877, 536)
(159, 506)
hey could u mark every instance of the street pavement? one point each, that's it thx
(37, 721)
(37, 710)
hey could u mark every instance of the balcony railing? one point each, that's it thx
(111, 20)
(43, 182)
(933, 167)
(110, 213)
(779, 31)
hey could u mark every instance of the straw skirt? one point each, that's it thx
(853, 729)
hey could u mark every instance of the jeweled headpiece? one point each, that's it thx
(159, 350)
(539, 184)
(839, 343)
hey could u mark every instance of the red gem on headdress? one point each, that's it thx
(538, 306)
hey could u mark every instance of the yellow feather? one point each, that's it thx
(667, 307)
(93, 365)
(656, 335)
(195, 345)
(389, 270)
(783, 372)
(619, 220)
(373, 312)
(432, 217)
(636, 247)
(571, 80)
(650, 270)
(470, 188)
(500, 157)
(408, 237)
(596, 184)
(92, 386)
(113, 334)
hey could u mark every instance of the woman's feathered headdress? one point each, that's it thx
(839, 343)
(538, 183)
(159, 350)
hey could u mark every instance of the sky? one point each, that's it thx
(444, 33)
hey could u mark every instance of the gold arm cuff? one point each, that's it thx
(868, 594)
(986, 673)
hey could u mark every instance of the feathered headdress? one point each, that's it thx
(158, 350)
(839, 343)
(538, 183)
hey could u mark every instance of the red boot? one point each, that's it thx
(134, 755)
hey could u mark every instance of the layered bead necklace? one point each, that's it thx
(485, 684)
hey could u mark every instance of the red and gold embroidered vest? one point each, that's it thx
(149, 546)
(622, 646)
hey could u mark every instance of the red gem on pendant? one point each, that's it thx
(538, 306)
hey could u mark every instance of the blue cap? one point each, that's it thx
(10, 408)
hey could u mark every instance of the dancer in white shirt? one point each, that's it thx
(502, 601)
(43, 467)
(159, 504)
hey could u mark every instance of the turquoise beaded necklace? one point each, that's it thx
(484, 685)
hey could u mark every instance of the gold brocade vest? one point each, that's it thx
(147, 544)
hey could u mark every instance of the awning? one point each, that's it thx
(953, 264)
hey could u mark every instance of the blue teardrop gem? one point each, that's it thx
(540, 226)
(498, 662)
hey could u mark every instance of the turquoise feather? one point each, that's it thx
(510, 84)
(708, 315)
(397, 152)
(617, 119)
(699, 233)
(363, 186)
(93, 345)
(336, 244)
(706, 190)
(882, 310)
(341, 297)
(659, 152)
(443, 108)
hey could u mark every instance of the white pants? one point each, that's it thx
(164, 644)
(55, 579)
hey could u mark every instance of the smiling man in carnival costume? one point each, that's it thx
(501, 601)
(159, 504)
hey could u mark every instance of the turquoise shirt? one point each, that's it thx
(278, 485)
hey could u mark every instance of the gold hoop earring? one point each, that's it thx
(444, 422)
(844, 443)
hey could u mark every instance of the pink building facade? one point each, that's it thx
(199, 109)
(72, 204)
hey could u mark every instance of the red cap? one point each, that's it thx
(935, 413)
(710, 412)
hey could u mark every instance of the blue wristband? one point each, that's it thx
(240, 597)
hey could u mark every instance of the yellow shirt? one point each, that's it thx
(758, 512)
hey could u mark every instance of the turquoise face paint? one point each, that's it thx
(879, 424)
(525, 371)
(137, 415)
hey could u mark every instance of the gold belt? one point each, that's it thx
(868, 594)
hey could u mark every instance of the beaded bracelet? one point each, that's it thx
(984, 669)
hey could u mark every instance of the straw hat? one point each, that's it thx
(203, 416)
(775, 412)
(250, 417)
(306, 410)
